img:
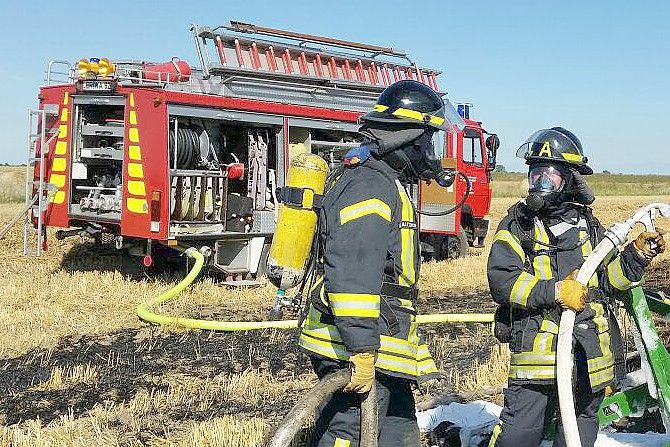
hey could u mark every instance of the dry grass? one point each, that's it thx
(12, 184)
(78, 369)
(510, 184)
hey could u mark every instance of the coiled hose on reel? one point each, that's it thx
(188, 148)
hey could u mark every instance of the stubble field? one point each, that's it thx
(78, 368)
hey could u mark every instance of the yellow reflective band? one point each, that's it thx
(573, 157)
(133, 135)
(132, 100)
(324, 348)
(603, 328)
(135, 170)
(531, 372)
(408, 275)
(132, 117)
(406, 304)
(66, 98)
(63, 116)
(328, 333)
(616, 276)
(380, 108)
(58, 165)
(62, 131)
(58, 198)
(512, 241)
(521, 289)
(136, 188)
(365, 208)
(542, 266)
(496, 433)
(392, 345)
(134, 153)
(339, 442)
(532, 358)
(549, 326)
(418, 116)
(58, 180)
(397, 364)
(138, 206)
(427, 367)
(541, 263)
(602, 377)
(61, 147)
(354, 305)
(395, 354)
(600, 363)
(587, 248)
(316, 283)
(543, 342)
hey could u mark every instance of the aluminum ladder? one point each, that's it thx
(37, 190)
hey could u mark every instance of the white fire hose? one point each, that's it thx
(616, 236)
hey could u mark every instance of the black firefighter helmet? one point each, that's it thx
(409, 102)
(555, 145)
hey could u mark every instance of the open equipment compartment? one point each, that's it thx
(97, 157)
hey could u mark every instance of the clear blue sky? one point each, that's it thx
(598, 68)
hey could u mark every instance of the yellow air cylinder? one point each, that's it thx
(294, 232)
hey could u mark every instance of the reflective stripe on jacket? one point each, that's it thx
(370, 259)
(522, 271)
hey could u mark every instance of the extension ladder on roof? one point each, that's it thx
(296, 57)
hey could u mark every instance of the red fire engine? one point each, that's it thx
(166, 155)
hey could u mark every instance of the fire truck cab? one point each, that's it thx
(158, 155)
(474, 153)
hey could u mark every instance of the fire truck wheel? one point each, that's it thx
(454, 247)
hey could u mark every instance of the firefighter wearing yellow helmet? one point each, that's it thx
(362, 305)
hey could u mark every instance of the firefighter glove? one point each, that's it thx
(362, 372)
(650, 243)
(570, 293)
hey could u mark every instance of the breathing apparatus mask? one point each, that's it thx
(409, 151)
(552, 185)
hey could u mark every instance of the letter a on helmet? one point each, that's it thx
(545, 151)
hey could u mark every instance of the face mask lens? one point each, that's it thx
(545, 179)
(427, 146)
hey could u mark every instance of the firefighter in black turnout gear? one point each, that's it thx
(362, 304)
(537, 250)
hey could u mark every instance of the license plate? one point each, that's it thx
(97, 86)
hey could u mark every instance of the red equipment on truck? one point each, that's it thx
(167, 155)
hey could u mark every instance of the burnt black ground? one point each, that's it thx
(141, 357)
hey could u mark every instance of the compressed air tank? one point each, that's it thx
(294, 232)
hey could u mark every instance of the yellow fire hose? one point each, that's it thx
(145, 313)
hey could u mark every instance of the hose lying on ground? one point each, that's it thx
(308, 404)
(146, 314)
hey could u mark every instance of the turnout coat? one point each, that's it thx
(368, 265)
(529, 255)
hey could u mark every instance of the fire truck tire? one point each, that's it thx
(455, 247)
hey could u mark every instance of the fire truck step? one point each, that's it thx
(242, 283)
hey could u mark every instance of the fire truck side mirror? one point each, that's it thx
(492, 145)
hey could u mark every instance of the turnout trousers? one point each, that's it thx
(530, 409)
(338, 422)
